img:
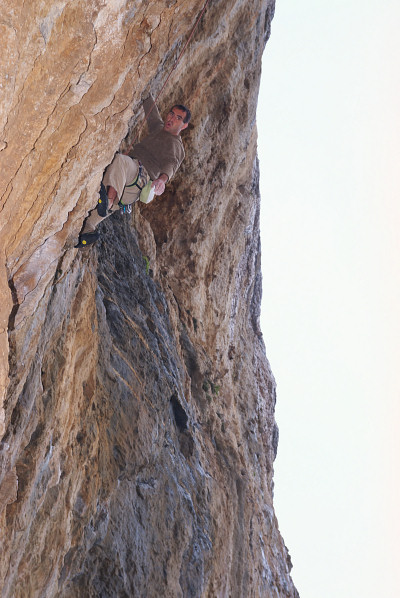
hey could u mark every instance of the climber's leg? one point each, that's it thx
(122, 171)
(106, 200)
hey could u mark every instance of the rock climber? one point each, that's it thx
(143, 172)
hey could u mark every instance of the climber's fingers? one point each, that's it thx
(158, 186)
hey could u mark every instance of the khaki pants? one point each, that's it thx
(120, 174)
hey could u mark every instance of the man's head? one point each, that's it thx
(177, 119)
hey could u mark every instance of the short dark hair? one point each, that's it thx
(188, 115)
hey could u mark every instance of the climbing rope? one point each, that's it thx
(170, 73)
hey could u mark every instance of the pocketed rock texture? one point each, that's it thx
(137, 404)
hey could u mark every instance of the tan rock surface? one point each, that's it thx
(138, 431)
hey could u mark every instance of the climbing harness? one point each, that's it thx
(127, 208)
(144, 185)
(169, 75)
(138, 177)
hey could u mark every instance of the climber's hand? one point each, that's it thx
(159, 186)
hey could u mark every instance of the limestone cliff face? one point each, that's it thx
(137, 403)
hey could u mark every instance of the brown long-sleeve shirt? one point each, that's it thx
(160, 152)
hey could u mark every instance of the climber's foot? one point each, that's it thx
(102, 204)
(86, 239)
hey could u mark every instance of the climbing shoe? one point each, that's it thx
(86, 239)
(102, 204)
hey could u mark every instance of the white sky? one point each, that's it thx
(329, 148)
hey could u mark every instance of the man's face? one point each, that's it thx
(174, 122)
